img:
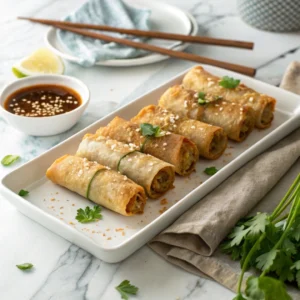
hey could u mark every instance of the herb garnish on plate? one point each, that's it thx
(229, 82)
(211, 171)
(23, 193)
(89, 214)
(150, 130)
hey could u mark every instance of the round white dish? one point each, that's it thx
(45, 126)
(163, 17)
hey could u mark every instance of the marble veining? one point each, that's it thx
(62, 270)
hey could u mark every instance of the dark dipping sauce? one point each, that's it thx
(44, 100)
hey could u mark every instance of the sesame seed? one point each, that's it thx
(165, 144)
(193, 127)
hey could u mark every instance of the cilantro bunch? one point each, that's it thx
(271, 244)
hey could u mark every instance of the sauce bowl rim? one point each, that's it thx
(14, 86)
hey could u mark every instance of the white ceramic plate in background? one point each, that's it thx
(163, 17)
(55, 207)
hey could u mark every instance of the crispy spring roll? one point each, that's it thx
(153, 174)
(201, 81)
(236, 120)
(98, 184)
(210, 140)
(172, 148)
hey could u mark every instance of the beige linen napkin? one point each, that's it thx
(191, 241)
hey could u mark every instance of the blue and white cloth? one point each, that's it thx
(114, 13)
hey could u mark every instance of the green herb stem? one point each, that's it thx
(282, 204)
(247, 259)
(280, 219)
(286, 230)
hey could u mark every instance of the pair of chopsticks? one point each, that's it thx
(78, 28)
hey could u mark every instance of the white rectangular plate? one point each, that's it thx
(115, 237)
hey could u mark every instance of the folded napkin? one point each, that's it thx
(191, 241)
(106, 12)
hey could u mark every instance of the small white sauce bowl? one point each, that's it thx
(45, 126)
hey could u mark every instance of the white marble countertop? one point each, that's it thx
(64, 271)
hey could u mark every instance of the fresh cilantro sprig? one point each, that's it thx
(25, 266)
(125, 288)
(271, 244)
(229, 82)
(9, 159)
(89, 214)
(150, 130)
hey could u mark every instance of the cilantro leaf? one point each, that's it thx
(9, 159)
(238, 234)
(25, 266)
(23, 193)
(257, 224)
(298, 279)
(265, 261)
(150, 130)
(211, 171)
(282, 267)
(89, 214)
(229, 82)
(289, 247)
(296, 265)
(125, 288)
(266, 288)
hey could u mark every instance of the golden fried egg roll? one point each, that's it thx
(171, 148)
(236, 120)
(98, 184)
(211, 140)
(153, 174)
(202, 81)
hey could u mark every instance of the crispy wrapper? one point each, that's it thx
(236, 120)
(210, 140)
(172, 148)
(98, 184)
(153, 174)
(201, 81)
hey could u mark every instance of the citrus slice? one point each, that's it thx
(42, 61)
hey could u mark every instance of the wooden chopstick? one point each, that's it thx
(182, 55)
(151, 34)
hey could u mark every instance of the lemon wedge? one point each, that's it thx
(41, 61)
